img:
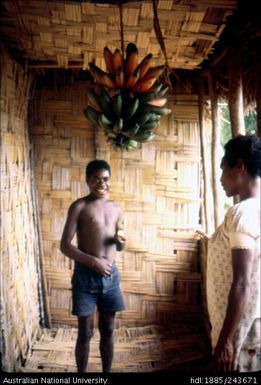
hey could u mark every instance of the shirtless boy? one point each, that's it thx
(98, 224)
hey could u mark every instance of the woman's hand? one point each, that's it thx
(224, 356)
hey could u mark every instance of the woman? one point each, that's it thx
(233, 263)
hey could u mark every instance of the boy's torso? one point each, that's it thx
(96, 228)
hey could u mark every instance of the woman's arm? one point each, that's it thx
(238, 296)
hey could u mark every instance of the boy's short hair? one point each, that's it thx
(248, 149)
(96, 165)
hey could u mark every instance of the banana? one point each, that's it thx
(163, 92)
(154, 117)
(102, 77)
(117, 60)
(92, 115)
(157, 87)
(118, 125)
(144, 136)
(131, 47)
(108, 58)
(145, 65)
(117, 105)
(93, 98)
(148, 96)
(154, 72)
(105, 102)
(149, 126)
(144, 85)
(157, 110)
(132, 108)
(104, 122)
(131, 131)
(119, 77)
(132, 143)
(111, 134)
(131, 63)
(133, 78)
(141, 118)
(158, 102)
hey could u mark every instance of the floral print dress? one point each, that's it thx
(240, 230)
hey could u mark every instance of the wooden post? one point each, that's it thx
(205, 205)
(258, 92)
(215, 161)
(235, 96)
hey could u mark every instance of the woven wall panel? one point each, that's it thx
(20, 314)
(157, 185)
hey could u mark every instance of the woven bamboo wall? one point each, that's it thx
(19, 242)
(158, 187)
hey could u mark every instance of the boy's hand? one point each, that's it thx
(102, 266)
(119, 240)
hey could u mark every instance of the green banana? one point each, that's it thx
(144, 136)
(104, 122)
(157, 110)
(92, 115)
(105, 102)
(93, 98)
(117, 105)
(132, 109)
(147, 97)
(154, 117)
(118, 125)
(142, 118)
(132, 143)
(149, 126)
(163, 92)
(131, 132)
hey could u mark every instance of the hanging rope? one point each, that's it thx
(121, 27)
(160, 39)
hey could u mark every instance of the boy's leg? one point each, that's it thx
(85, 330)
(106, 325)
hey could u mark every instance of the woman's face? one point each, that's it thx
(230, 179)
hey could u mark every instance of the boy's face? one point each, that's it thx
(99, 183)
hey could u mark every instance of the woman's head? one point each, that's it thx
(241, 163)
(248, 149)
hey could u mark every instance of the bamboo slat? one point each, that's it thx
(137, 349)
(20, 254)
(66, 35)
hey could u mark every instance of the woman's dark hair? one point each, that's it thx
(96, 165)
(248, 149)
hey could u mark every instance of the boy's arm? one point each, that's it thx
(101, 266)
(119, 235)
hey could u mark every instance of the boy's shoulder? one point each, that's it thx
(79, 203)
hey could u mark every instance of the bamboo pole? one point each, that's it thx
(214, 147)
(205, 204)
(258, 93)
(235, 95)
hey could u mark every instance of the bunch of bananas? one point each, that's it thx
(131, 99)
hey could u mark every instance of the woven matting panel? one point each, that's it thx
(69, 34)
(19, 253)
(141, 349)
(158, 187)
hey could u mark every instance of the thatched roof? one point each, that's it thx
(64, 34)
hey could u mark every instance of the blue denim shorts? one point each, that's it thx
(90, 289)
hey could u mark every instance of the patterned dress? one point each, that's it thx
(240, 230)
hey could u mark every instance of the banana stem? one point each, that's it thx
(121, 27)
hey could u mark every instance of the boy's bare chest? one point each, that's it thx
(98, 215)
